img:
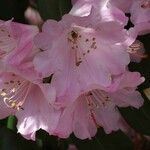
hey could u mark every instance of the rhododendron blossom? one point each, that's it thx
(21, 88)
(140, 14)
(71, 76)
(101, 11)
(26, 100)
(97, 108)
(16, 42)
(139, 10)
(80, 54)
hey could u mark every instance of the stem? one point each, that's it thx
(11, 123)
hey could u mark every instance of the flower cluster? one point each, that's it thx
(73, 75)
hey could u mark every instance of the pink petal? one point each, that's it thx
(125, 98)
(37, 114)
(107, 117)
(140, 14)
(83, 125)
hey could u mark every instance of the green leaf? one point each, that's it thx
(138, 119)
(115, 141)
(53, 9)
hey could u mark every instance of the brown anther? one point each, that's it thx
(86, 40)
(93, 39)
(6, 82)
(88, 51)
(95, 47)
(3, 90)
(78, 63)
(89, 94)
(11, 81)
(74, 35)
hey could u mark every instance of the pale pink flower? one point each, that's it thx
(25, 100)
(22, 91)
(111, 9)
(80, 53)
(98, 108)
(139, 9)
(16, 42)
(140, 17)
(102, 11)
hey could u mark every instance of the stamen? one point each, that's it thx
(90, 105)
(136, 46)
(76, 40)
(15, 93)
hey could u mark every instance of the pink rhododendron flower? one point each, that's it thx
(26, 100)
(140, 17)
(97, 108)
(84, 7)
(81, 53)
(102, 11)
(16, 42)
(139, 10)
(21, 88)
